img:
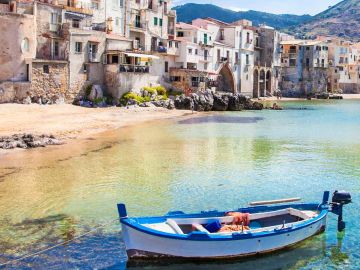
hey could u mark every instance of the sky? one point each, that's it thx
(299, 7)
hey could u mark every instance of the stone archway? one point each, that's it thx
(262, 89)
(226, 80)
(268, 83)
(256, 84)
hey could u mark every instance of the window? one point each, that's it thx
(196, 51)
(205, 66)
(222, 34)
(176, 44)
(94, 5)
(308, 48)
(55, 18)
(247, 60)
(137, 21)
(166, 66)
(307, 62)
(85, 68)
(25, 45)
(78, 47)
(160, 22)
(155, 21)
(190, 51)
(292, 62)
(322, 62)
(170, 44)
(218, 55)
(248, 38)
(180, 34)
(175, 78)
(117, 21)
(46, 69)
(55, 48)
(121, 3)
(76, 23)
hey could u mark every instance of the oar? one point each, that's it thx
(275, 201)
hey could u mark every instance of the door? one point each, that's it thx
(205, 39)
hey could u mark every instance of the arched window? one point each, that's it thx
(25, 45)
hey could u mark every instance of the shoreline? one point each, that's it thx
(345, 97)
(70, 123)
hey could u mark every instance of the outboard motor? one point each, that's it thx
(339, 199)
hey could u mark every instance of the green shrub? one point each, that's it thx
(175, 93)
(150, 90)
(130, 95)
(88, 90)
(161, 90)
(98, 100)
(147, 99)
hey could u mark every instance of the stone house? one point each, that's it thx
(304, 67)
(17, 48)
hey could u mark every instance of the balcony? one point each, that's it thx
(54, 27)
(126, 68)
(85, 11)
(94, 58)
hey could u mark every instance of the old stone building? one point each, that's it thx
(304, 67)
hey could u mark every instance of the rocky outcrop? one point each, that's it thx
(27, 141)
(209, 101)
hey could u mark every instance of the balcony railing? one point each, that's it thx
(133, 68)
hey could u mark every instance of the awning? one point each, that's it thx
(74, 15)
(141, 55)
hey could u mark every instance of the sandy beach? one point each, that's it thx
(70, 122)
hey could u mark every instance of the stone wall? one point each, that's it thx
(13, 91)
(350, 88)
(118, 83)
(54, 83)
(17, 44)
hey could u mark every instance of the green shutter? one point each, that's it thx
(155, 20)
(160, 22)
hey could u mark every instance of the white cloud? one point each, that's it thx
(237, 9)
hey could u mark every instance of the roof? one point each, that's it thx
(187, 26)
(218, 22)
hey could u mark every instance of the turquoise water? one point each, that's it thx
(220, 161)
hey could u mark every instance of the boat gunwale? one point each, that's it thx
(201, 236)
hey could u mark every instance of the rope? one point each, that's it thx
(33, 254)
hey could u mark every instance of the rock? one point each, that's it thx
(221, 102)
(27, 141)
(96, 93)
(179, 102)
(158, 103)
(85, 103)
(235, 103)
(323, 95)
(253, 105)
(147, 105)
(56, 99)
(170, 105)
(26, 100)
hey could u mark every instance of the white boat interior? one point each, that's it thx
(265, 221)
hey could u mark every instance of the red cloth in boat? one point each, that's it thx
(240, 218)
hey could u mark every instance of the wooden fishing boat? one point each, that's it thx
(273, 225)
